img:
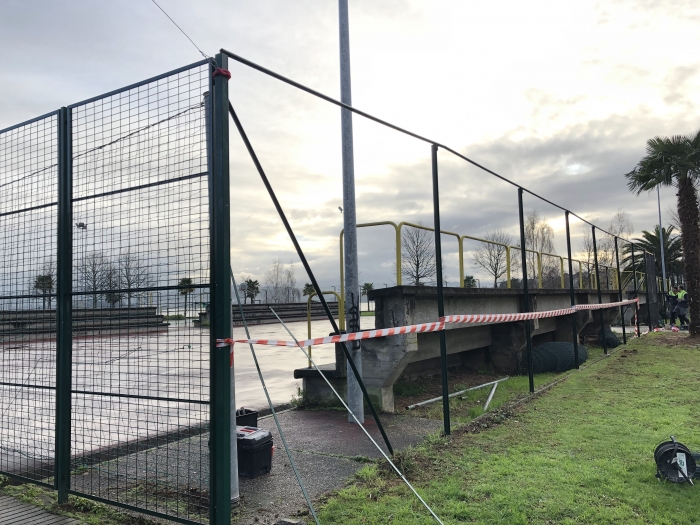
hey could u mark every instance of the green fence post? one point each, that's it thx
(64, 312)
(220, 387)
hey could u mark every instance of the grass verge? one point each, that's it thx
(83, 509)
(581, 453)
(465, 408)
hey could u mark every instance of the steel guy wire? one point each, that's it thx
(182, 31)
(395, 127)
(307, 268)
(355, 418)
(272, 408)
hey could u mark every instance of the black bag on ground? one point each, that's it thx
(610, 339)
(557, 356)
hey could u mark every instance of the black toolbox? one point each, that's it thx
(255, 450)
(245, 417)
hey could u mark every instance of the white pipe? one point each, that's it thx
(488, 401)
(433, 400)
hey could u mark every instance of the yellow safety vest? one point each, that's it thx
(682, 294)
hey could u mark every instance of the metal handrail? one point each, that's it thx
(397, 228)
(342, 256)
(460, 241)
(341, 315)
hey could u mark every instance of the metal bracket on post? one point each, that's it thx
(220, 386)
(571, 288)
(440, 294)
(600, 296)
(526, 302)
(64, 309)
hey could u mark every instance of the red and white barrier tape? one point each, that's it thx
(604, 305)
(355, 336)
(426, 327)
(504, 318)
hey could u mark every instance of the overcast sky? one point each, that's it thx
(558, 96)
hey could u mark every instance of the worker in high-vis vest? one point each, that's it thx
(672, 298)
(682, 307)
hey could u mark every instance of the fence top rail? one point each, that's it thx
(108, 94)
(30, 121)
(141, 83)
(395, 127)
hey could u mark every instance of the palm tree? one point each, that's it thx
(675, 161)
(252, 289)
(366, 288)
(309, 289)
(649, 242)
(184, 282)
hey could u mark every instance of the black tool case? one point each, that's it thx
(255, 450)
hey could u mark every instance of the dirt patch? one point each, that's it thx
(675, 339)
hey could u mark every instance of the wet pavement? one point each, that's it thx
(278, 363)
(326, 448)
(111, 376)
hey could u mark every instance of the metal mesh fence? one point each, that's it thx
(28, 221)
(140, 275)
(140, 378)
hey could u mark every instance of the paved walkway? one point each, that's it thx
(15, 512)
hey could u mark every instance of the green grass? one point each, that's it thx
(368, 314)
(86, 510)
(470, 405)
(579, 454)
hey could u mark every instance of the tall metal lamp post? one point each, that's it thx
(352, 280)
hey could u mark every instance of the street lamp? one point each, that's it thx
(83, 226)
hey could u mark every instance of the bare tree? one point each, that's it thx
(539, 239)
(418, 256)
(92, 272)
(672, 218)
(133, 274)
(619, 226)
(493, 257)
(281, 284)
(112, 283)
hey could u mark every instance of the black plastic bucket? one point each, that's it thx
(670, 457)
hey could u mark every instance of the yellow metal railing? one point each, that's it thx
(341, 315)
(592, 283)
(397, 229)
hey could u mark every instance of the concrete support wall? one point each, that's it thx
(500, 347)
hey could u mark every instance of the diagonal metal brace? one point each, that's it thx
(307, 267)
